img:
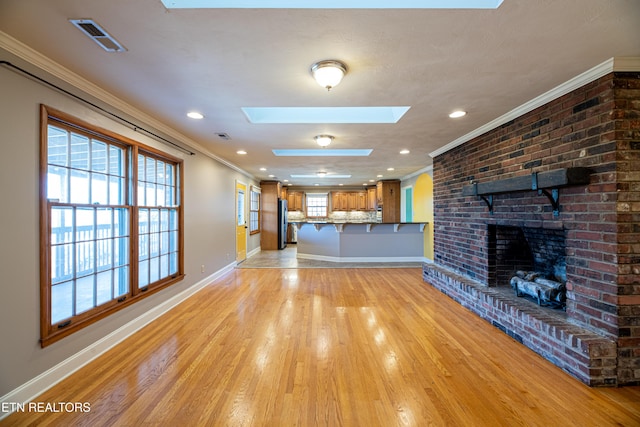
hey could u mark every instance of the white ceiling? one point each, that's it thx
(486, 62)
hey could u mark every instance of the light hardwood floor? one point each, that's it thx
(327, 347)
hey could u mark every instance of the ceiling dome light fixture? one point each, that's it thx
(328, 73)
(321, 174)
(323, 140)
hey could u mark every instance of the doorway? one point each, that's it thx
(241, 222)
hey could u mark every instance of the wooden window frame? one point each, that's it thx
(51, 333)
(311, 196)
(254, 210)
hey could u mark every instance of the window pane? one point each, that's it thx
(98, 156)
(85, 258)
(169, 196)
(61, 302)
(99, 192)
(164, 266)
(79, 192)
(160, 172)
(104, 223)
(84, 293)
(164, 220)
(116, 161)
(170, 178)
(141, 168)
(151, 169)
(84, 224)
(151, 194)
(58, 184)
(120, 281)
(61, 225)
(154, 244)
(142, 193)
(154, 270)
(104, 254)
(116, 190)
(120, 251)
(62, 263)
(143, 221)
(173, 241)
(154, 220)
(79, 151)
(104, 287)
(57, 146)
(143, 247)
(120, 222)
(143, 273)
(160, 196)
(173, 263)
(173, 219)
(164, 243)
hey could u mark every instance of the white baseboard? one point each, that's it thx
(360, 259)
(254, 252)
(36, 386)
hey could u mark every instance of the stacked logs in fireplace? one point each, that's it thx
(545, 291)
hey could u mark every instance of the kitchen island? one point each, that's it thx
(361, 242)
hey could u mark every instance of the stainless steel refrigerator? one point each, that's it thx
(282, 224)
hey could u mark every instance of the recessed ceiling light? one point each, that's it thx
(379, 176)
(272, 176)
(390, 169)
(372, 180)
(317, 185)
(340, 185)
(318, 174)
(405, 152)
(195, 115)
(263, 169)
(458, 113)
(241, 152)
(286, 180)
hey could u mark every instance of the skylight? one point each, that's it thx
(315, 176)
(322, 152)
(297, 115)
(332, 4)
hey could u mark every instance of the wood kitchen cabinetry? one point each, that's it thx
(350, 201)
(295, 201)
(270, 193)
(388, 195)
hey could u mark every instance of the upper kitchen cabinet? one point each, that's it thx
(295, 201)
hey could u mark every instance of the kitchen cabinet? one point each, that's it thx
(372, 198)
(388, 195)
(349, 201)
(295, 201)
(270, 193)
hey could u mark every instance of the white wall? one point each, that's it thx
(209, 191)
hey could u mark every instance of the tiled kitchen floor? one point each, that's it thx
(286, 258)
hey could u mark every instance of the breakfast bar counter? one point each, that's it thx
(361, 242)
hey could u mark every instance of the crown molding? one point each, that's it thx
(54, 69)
(620, 64)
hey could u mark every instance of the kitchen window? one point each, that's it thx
(105, 241)
(316, 204)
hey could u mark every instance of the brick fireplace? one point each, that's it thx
(596, 227)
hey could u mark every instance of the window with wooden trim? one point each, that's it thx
(111, 223)
(316, 205)
(254, 210)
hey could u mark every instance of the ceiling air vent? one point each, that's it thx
(98, 35)
(223, 135)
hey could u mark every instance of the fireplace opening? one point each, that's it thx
(531, 261)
